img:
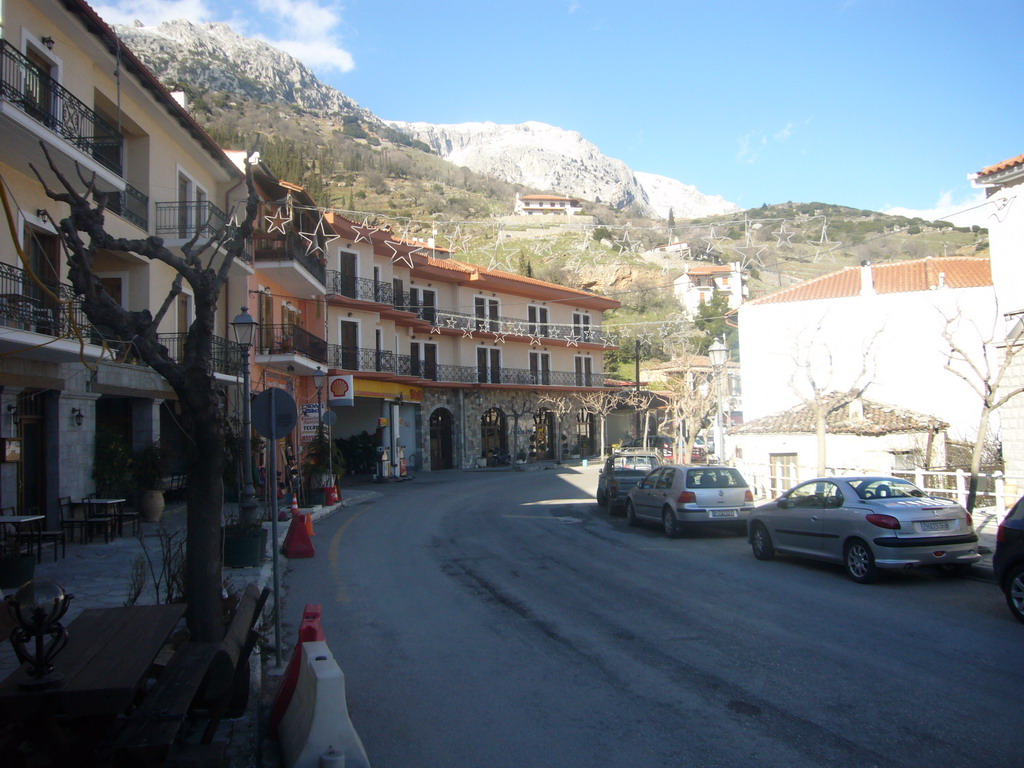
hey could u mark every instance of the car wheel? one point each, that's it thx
(602, 499)
(631, 513)
(1014, 588)
(610, 507)
(670, 524)
(860, 563)
(761, 542)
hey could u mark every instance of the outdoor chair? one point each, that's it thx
(44, 536)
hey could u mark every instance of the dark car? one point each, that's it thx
(621, 471)
(1008, 560)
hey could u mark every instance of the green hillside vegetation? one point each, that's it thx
(368, 170)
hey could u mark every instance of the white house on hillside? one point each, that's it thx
(701, 282)
(880, 325)
(542, 205)
(1003, 184)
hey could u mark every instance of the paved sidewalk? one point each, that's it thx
(99, 575)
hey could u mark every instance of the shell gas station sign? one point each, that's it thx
(340, 391)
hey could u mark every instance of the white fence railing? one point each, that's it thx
(995, 490)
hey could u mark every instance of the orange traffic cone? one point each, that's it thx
(309, 524)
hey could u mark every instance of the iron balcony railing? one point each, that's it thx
(512, 326)
(362, 360)
(359, 288)
(288, 338)
(289, 249)
(26, 305)
(227, 355)
(184, 219)
(42, 98)
(130, 204)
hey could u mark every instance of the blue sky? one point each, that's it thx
(877, 104)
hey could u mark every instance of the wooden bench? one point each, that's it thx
(201, 678)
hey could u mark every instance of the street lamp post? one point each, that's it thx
(318, 382)
(244, 327)
(719, 353)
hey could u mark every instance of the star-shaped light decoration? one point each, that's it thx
(516, 329)
(435, 329)
(450, 321)
(467, 332)
(783, 236)
(499, 336)
(365, 232)
(535, 340)
(712, 241)
(277, 220)
(572, 340)
(313, 238)
(398, 256)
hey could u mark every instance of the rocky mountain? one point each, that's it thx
(544, 157)
(214, 58)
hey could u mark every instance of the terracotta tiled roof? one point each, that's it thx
(473, 268)
(1013, 162)
(709, 269)
(877, 419)
(893, 277)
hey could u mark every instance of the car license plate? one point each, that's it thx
(935, 525)
(723, 512)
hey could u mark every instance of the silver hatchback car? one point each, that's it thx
(867, 524)
(681, 496)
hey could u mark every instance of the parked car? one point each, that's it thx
(684, 496)
(621, 471)
(1008, 560)
(867, 524)
(659, 443)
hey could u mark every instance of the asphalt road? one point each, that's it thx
(492, 620)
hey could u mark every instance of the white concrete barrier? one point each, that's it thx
(317, 720)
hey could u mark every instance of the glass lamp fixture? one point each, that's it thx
(38, 606)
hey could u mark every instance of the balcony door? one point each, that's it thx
(39, 91)
(346, 274)
(43, 249)
(349, 336)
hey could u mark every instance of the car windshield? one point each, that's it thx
(885, 488)
(714, 477)
(635, 462)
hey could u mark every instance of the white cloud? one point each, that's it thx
(785, 133)
(153, 12)
(313, 27)
(966, 213)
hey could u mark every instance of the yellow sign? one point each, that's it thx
(387, 390)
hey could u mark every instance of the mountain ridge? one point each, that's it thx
(213, 57)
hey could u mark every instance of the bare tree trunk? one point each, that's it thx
(976, 456)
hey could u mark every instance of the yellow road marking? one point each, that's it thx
(333, 558)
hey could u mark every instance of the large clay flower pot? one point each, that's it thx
(151, 506)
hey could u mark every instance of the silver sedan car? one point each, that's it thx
(682, 496)
(867, 524)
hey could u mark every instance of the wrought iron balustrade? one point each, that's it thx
(42, 98)
(184, 219)
(287, 249)
(359, 288)
(131, 204)
(53, 310)
(227, 355)
(512, 326)
(288, 338)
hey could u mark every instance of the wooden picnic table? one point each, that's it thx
(108, 654)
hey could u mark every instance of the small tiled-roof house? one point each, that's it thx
(878, 323)
(781, 449)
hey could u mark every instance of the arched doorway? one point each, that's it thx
(441, 431)
(542, 442)
(493, 435)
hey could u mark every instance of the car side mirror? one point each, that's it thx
(782, 503)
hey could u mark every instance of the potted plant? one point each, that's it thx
(149, 467)
(319, 468)
(111, 467)
(17, 564)
(244, 543)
